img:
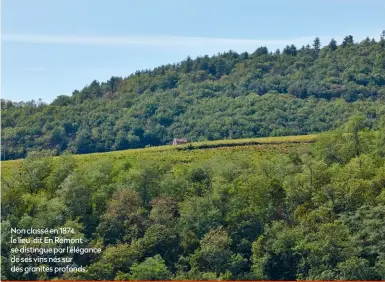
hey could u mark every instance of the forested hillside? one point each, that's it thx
(230, 95)
(308, 212)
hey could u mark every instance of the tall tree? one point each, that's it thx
(332, 45)
(317, 45)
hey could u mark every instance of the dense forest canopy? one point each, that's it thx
(230, 95)
(312, 214)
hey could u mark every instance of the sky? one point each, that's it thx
(52, 47)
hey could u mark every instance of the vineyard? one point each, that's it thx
(195, 151)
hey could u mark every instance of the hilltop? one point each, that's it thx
(295, 91)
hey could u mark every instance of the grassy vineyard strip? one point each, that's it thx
(249, 142)
(192, 151)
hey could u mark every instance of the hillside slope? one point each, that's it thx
(228, 96)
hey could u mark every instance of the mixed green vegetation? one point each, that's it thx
(259, 193)
(227, 96)
(280, 211)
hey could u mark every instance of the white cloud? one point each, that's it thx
(158, 40)
(193, 46)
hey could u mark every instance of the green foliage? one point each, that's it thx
(123, 221)
(153, 268)
(214, 252)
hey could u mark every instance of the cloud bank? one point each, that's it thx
(157, 40)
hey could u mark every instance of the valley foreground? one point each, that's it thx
(300, 207)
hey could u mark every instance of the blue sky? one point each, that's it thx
(52, 47)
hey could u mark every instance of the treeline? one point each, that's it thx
(317, 215)
(230, 95)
